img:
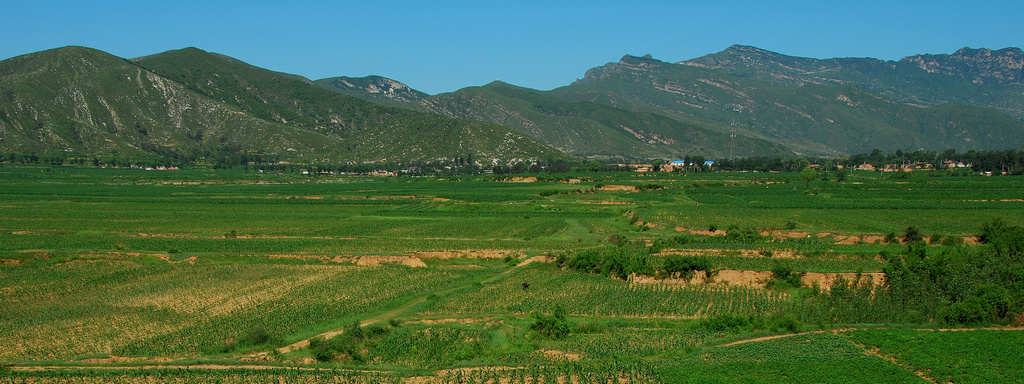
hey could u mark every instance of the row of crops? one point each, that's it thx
(594, 295)
(132, 308)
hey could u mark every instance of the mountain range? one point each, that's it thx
(743, 101)
(189, 102)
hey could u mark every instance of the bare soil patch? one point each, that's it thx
(826, 280)
(540, 259)
(717, 232)
(626, 188)
(528, 179)
(776, 254)
(375, 261)
(556, 355)
(755, 279)
(124, 359)
(470, 254)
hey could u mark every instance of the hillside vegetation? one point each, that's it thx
(190, 104)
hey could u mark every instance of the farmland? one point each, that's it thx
(121, 275)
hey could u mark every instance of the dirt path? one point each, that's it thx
(771, 337)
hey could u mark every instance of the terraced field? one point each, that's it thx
(115, 275)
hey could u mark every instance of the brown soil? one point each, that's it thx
(766, 338)
(970, 240)
(124, 359)
(872, 239)
(627, 188)
(540, 259)
(826, 280)
(779, 254)
(528, 179)
(797, 235)
(848, 240)
(754, 279)
(167, 258)
(471, 254)
(556, 355)
(10, 261)
(375, 261)
(718, 232)
(743, 278)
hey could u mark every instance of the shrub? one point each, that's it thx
(685, 265)
(551, 326)
(912, 235)
(725, 322)
(783, 276)
(889, 238)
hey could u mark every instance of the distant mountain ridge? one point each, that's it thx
(980, 77)
(1004, 66)
(743, 101)
(187, 102)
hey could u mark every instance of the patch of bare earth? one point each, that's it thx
(375, 261)
(537, 259)
(826, 280)
(469, 254)
(528, 179)
(755, 279)
(626, 188)
(717, 232)
(124, 359)
(556, 355)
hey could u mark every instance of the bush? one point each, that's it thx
(784, 276)
(553, 327)
(912, 235)
(889, 238)
(725, 322)
(685, 265)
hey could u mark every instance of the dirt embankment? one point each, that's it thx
(624, 188)
(759, 279)
(775, 254)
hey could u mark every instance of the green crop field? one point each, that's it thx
(197, 276)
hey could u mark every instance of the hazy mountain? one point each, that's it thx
(578, 128)
(980, 77)
(810, 114)
(85, 101)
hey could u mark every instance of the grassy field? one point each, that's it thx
(118, 275)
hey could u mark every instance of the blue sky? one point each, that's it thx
(441, 46)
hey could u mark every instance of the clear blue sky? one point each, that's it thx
(441, 46)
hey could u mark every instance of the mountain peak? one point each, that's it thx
(980, 66)
(372, 88)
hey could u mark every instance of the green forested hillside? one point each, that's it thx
(189, 103)
(809, 118)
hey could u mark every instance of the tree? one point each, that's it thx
(912, 235)
(807, 175)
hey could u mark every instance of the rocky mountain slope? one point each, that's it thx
(748, 102)
(188, 102)
(980, 77)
